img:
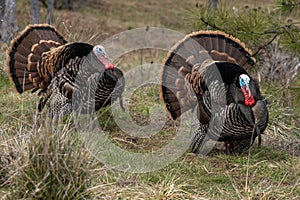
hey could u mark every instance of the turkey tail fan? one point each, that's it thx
(195, 50)
(26, 50)
(178, 63)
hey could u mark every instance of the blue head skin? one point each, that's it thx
(244, 81)
(102, 56)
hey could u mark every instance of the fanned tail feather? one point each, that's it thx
(25, 52)
(196, 50)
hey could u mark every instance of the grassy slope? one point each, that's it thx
(268, 173)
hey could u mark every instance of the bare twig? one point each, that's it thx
(211, 25)
(265, 45)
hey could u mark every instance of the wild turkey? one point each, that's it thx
(39, 58)
(207, 71)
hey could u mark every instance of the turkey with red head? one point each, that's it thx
(207, 71)
(39, 58)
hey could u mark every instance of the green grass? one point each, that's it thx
(38, 161)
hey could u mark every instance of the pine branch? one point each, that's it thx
(290, 4)
(277, 32)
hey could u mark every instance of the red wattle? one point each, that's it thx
(249, 99)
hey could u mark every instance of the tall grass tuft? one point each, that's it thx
(56, 166)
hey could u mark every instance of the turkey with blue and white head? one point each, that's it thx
(207, 71)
